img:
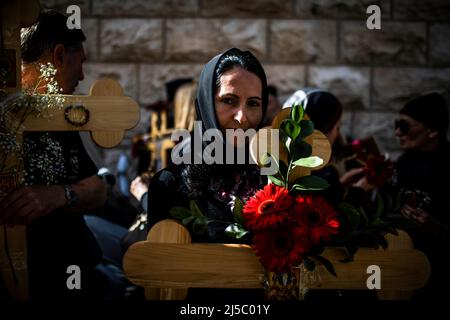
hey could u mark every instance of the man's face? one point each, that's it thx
(70, 72)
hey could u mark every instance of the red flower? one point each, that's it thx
(317, 219)
(379, 170)
(280, 248)
(267, 207)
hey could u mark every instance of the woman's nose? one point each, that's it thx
(240, 116)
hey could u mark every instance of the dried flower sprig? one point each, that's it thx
(17, 107)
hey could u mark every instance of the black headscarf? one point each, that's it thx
(322, 107)
(431, 110)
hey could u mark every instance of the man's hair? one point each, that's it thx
(48, 31)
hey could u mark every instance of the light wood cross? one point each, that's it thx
(106, 113)
(167, 259)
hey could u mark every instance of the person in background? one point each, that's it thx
(63, 188)
(423, 175)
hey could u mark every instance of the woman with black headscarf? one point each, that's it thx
(232, 94)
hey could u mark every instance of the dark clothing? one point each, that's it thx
(59, 239)
(212, 187)
(423, 179)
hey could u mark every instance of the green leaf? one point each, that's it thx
(300, 149)
(276, 181)
(310, 183)
(382, 226)
(283, 168)
(179, 213)
(237, 211)
(309, 264)
(310, 162)
(291, 128)
(327, 264)
(266, 159)
(297, 113)
(354, 217)
(381, 240)
(364, 216)
(195, 210)
(235, 231)
(306, 128)
(199, 225)
(187, 220)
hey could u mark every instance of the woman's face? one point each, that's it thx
(414, 135)
(239, 100)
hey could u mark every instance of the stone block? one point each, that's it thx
(393, 87)
(295, 41)
(193, 40)
(131, 39)
(350, 85)
(422, 10)
(396, 43)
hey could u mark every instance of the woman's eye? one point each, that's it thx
(254, 103)
(229, 101)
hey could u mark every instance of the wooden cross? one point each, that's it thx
(106, 113)
(167, 259)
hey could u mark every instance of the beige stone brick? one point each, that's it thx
(351, 85)
(393, 87)
(303, 41)
(131, 39)
(396, 43)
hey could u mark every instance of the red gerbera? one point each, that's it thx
(317, 219)
(379, 170)
(267, 207)
(280, 248)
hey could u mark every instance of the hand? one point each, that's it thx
(138, 188)
(25, 204)
(351, 176)
(364, 184)
(414, 214)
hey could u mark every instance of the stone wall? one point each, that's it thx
(323, 43)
